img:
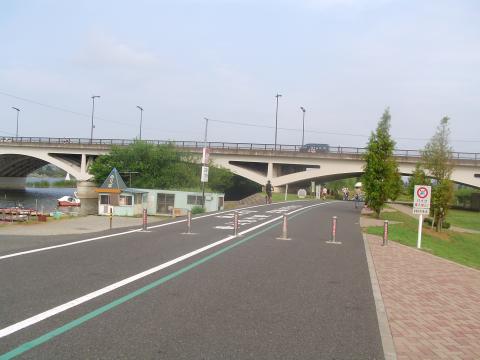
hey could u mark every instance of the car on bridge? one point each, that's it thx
(315, 148)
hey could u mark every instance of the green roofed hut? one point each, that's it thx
(117, 198)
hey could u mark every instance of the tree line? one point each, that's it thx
(149, 166)
(382, 180)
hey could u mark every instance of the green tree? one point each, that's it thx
(437, 159)
(381, 179)
(419, 177)
(157, 166)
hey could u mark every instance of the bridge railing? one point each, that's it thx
(223, 145)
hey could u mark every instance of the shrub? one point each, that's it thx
(197, 210)
(445, 225)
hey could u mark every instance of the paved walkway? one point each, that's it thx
(432, 304)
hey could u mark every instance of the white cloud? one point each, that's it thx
(102, 50)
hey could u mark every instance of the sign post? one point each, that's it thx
(421, 205)
(144, 220)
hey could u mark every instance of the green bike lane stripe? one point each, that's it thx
(93, 314)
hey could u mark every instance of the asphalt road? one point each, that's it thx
(246, 297)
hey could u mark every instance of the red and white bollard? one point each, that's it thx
(144, 223)
(334, 232)
(189, 222)
(385, 233)
(284, 229)
(235, 223)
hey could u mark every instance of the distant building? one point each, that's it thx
(115, 197)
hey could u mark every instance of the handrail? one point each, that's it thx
(222, 145)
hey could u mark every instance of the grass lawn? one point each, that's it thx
(278, 197)
(464, 219)
(459, 247)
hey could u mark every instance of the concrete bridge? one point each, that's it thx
(257, 162)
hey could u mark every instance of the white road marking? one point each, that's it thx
(61, 308)
(111, 235)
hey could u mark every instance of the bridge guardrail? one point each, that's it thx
(221, 145)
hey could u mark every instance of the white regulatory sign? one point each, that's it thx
(421, 199)
(204, 177)
(205, 155)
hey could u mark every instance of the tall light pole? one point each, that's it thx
(18, 112)
(276, 120)
(204, 161)
(93, 111)
(303, 123)
(141, 118)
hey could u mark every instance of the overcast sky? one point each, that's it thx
(345, 61)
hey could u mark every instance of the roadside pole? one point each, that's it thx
(205, 153)
(286, 192)
(235, 223)
(189, 224)
(111, 217)
(333, 239)
(419, 239)
(385, 233)
(144, 220)
(284, 235)
(421, 206)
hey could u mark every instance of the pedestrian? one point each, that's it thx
(268, 190)
(324, 193)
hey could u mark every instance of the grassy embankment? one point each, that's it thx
(278, 197)
(462, 248)
(464, 219)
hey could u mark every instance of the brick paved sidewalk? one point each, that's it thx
(432, 304)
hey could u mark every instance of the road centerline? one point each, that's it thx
(85, 298)
(77, 322)
(32, 251)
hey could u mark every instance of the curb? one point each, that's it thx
(383, 325)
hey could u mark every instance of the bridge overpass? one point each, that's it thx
(257, 162)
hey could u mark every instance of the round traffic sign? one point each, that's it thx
(422, 192)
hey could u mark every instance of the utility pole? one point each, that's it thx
(303, 123)
(141, 118)
(204, 178)
(18, 112)
(276, 120)
(93, 111)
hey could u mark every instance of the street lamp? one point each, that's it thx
(276, 120)
(303, 123)
(18, 112)
(93, 111)
(141, 118)
(204, 160)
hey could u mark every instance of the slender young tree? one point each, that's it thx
(381, 178)
(437, 159)
(418, 178)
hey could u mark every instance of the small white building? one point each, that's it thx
(163, 202)
(115, 197)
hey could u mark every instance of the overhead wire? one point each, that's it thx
(218, 121)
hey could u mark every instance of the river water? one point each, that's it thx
(37, 198)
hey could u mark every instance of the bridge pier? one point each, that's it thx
(12, 183)
(88, 197)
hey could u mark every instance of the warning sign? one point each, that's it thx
(421, 199)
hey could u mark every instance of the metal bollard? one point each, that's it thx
(334, 232)
(334, 228)
(144, 222)
(284, 229)
(235, 223)
(189, 222)
(385, 233)
(111, 217)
